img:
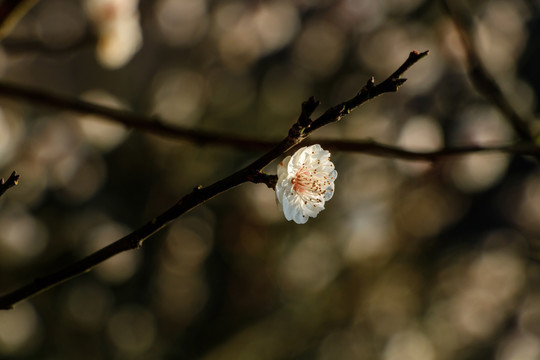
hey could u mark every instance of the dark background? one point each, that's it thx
(410, 260)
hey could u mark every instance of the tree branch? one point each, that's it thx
(388, 151)
(12, 180)
(369, 91)
(152, 125)
(199, 195)
(480, 77)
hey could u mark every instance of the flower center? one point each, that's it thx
(304, 181)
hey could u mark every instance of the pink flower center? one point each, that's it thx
(302, 181)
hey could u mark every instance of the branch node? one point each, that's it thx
(135, 243)
(308, 107)
(398, 83)
(9, 183)
(337, 112)
(370, 83)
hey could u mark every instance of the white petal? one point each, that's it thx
(282, 186)
(317, 183)
(300, 218)
(316, 148)
(317, 207)
(329, 193)
(309, 210)
(288, 209)
(296, 163)
(282, 168)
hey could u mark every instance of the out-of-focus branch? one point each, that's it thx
(152, 125)
(480, 77)
(14, 46)
(252, 172)
(12, 180)
(156, 126)
(11, 11)
(388, 151)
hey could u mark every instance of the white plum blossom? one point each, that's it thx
(305, 182)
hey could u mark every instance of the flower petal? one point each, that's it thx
(305, 183)
(288, 208)
(300, 218)
(282, 167)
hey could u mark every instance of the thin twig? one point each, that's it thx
(388, 151)
(12, 180)
(369, 91)
(480, 77)
(198, 196)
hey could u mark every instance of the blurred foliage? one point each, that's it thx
(416, 261)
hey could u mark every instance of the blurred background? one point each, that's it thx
(410, 260)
